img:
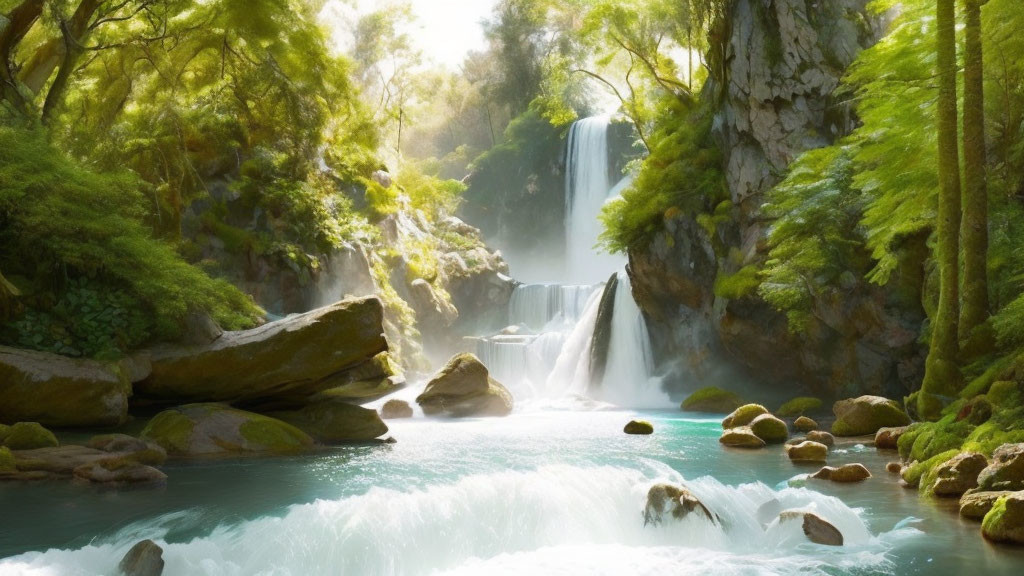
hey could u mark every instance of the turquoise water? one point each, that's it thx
(540, 492)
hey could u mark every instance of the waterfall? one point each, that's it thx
(587, 189)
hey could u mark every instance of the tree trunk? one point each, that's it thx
(942, 379)
(73, 33)
(13, 27)
(974, 233)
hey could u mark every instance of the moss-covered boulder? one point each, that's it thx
(805, 424)
(975, 505)
(1006, 471)
(465, 388)
(847, 473)
(712, 400)
(807, 451)
(61, 392)
(866, 415)
(219, 430)
(334, 421)
(958, 475)
(7, 463)
(743, 416)
(395, 409)
(770, 429)
(282, 362)
(638, 428)
(1005, 521)
(799, 407)
(29, 436)
(888, 438)
(742, 437)
(4, 431)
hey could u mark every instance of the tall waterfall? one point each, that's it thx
(545, 351)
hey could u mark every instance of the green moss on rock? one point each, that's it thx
(334, 421)
(7, 460)
(913, 474)
(268, 435)
(800, 406)
(770, 429)
(866, 415)
(1005, 521)
(638, 427)
(712, 400)
(30, 436)
(4, 431)
(171, 430)
(743, 416)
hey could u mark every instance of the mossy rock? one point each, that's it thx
(639, 427)
(30, 436)
(6, 460)
(975, 505)
(4, 431)
(464, 388)
(807, 451)
(912, 475)
(742, 437)
(219, 430)
(805, 424)
(1005, 521)
(800, 406)
(712, 400)
(770, 429)
(866, 415)
(334, 422)
(743, 416)
(1006, 470)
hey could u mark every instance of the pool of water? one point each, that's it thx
(545, 491)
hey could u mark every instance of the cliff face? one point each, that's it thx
(775, 65)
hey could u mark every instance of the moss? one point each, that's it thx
(770, 429)
(712, 399)
(938, 437)
(905, 443)
(4, 431)
(989, 436)
(6, 460)
(270, 435)
(930, 474)
(172, 430)
(641, 427)
(738, 285)
(800, 406)
(913, 474)
(29, 436)
(993, 521)
(1004, 394)
(743, 416)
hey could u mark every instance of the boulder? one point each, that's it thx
(958, 475)
(219, 430)
(975, 505)
(395, 409)
(1005, 521)
(128, 466)
(29, 436)
(638, 427)
(741, 437)
(712, 400)
(805, 424)
(601, 341)
(61, 392)
(669, 499)
(866, 415)
(119, 471)
(464, 388)
(144, 559)
(1006, 471)
(816, 528)
(894, 467)
(743, 416)
(843, 474)
(334, 421)
(888, 438)
(7, 462)
(821, 437)
(283, 362)
(799, 407)
(770, 429)
(807, 451)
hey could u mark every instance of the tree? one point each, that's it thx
(974, 233)
(942, 375)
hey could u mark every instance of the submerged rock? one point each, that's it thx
(144, 559)
(1006, 471)
(894, 468)
(639, 427)
(677, 501)
(284, 361)
(975, 505)
(807, 451)
(805, 424)
(743, 416)
(61, 392)
(958, 475)
(742, 437)
(821, 437)
(866, 415)
(219, 430)
(126, 466)
(816, 528)
(119, 471)
(29, 436)
(395, 409)
(464, 388)
(888, 438)
(1005, 521)
(770, 429)
(712, 400)
(335, 421)
(843, 474)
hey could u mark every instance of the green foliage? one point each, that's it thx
(429, 193)
(738, 285)
(682, 173)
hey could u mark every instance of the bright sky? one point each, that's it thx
(445, 30)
